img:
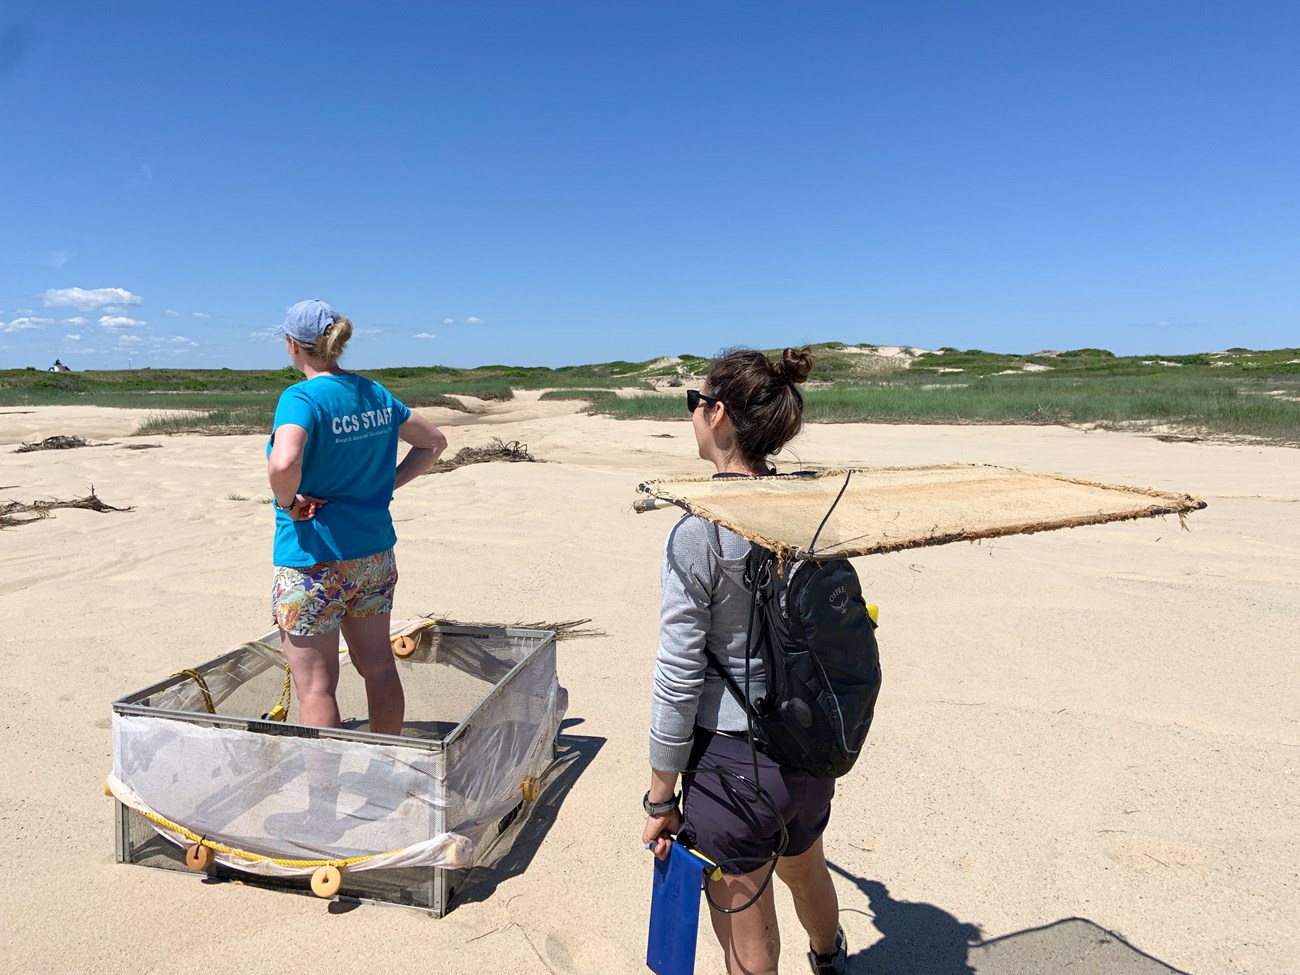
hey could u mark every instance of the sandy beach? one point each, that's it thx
(1086, 756)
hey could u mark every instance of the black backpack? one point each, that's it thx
(810, 626)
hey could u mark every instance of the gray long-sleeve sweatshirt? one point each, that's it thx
(705, 603)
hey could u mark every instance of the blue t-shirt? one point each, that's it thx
(350, 460)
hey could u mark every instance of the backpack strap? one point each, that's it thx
(709, 655)
(758, 562)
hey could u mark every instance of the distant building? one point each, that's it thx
(58, 367)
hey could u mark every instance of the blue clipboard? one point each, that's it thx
(675, 911)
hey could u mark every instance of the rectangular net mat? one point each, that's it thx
(196, 753)
(862, 511)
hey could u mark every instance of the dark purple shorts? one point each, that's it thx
(726, 821)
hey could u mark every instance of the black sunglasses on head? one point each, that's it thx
(693, 397)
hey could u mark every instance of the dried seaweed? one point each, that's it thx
(496, 450)
(41, 509)
(565, 629)
(140, 446)
(59, 442)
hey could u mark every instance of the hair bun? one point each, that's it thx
(795, 365)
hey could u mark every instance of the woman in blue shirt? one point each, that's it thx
(332, 465)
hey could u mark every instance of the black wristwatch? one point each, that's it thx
(660, 808)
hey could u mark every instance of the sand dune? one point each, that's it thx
(1099, 723)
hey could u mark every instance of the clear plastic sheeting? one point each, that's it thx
(277, 799)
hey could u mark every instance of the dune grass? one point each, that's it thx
(590, 395)
(1235, 392)
(216, 402)
(1190, 405)
(215, 423)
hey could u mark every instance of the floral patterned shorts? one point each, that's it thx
(314, 599)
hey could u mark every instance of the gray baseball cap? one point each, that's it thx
(307, 321)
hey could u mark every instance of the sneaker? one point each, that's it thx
(836, 963)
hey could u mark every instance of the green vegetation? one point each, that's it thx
(590, 395)
(1203, 405)
(222, 401)
(1238, 392)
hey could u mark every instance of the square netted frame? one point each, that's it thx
(483, 711)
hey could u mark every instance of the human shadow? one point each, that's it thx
(916, 937)
(523, 830)
(923, 939)
(1070, 946)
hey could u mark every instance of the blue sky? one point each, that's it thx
(563, 182)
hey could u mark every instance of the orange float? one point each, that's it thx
(531, 787)
(198, 857)
(404, 646)
(325, 882)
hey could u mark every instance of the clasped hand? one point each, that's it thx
(304, 507)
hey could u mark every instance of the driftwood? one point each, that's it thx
(59, 442)
(513, 452)
(41, 509)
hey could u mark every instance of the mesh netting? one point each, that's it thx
(483, 704)
(842, 513)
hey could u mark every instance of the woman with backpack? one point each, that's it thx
(747, 409)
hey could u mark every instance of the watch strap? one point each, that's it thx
(660, 808)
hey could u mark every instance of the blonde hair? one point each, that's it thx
(330, 345)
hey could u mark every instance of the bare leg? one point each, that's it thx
(372, 655)
(815, 900)
(751, 940)
(314, 663)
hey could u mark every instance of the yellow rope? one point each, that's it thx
(278, 713)
(281, 710)
(203, 686)
(245, 855)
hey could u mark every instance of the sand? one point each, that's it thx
(1086, 756)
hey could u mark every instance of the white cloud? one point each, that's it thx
(172, 314)
(73, 338)
(473, 321)
(56, 259)
(129, 340)
(367, 331)
(25, 324)
(143, 175)
(96, 299)
(75, 320)
(267, 333)
(199, 314)
(118, 321)
(182, 340)
(424, 335)
(449, 321)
